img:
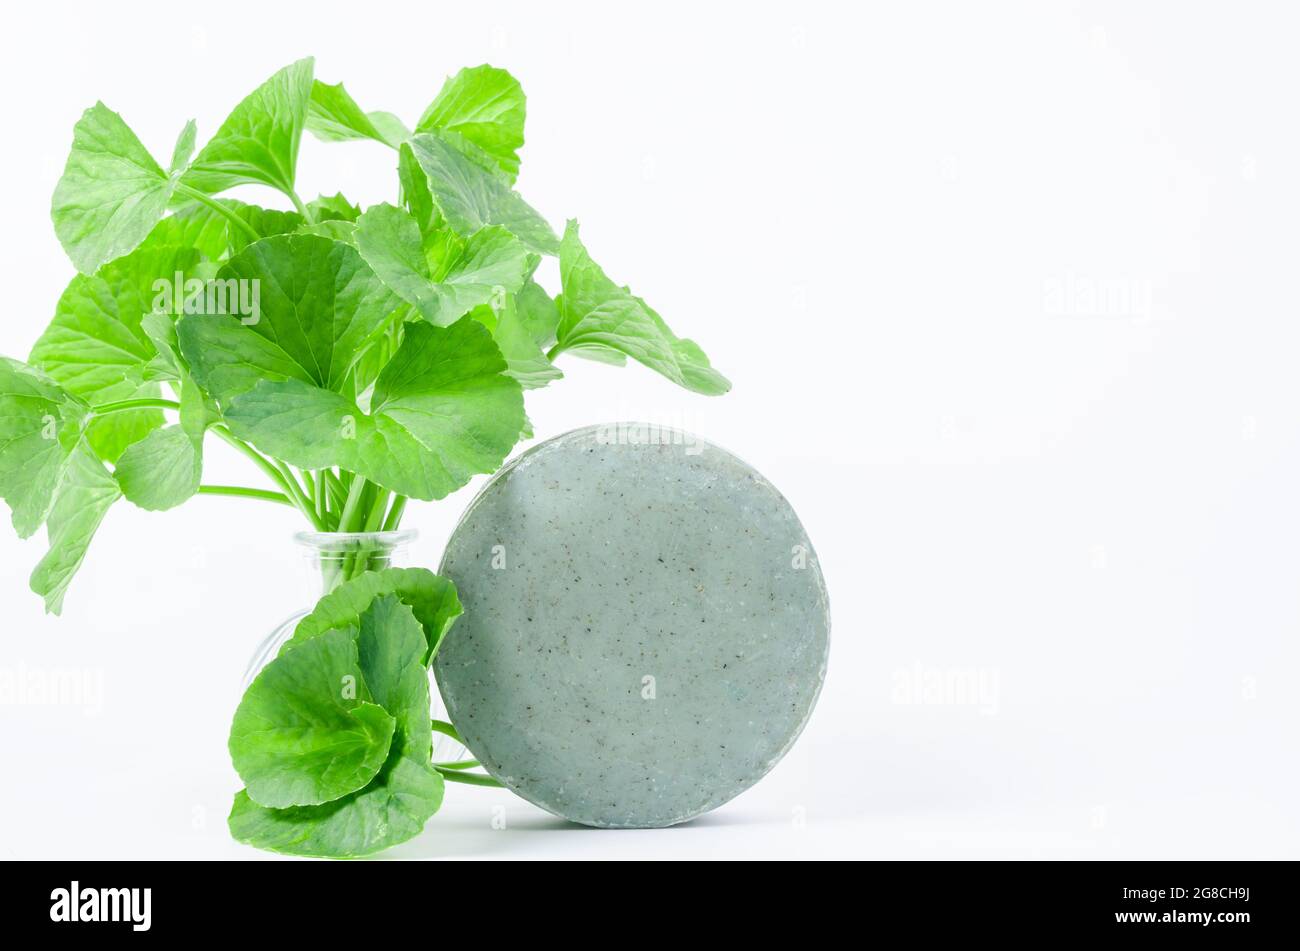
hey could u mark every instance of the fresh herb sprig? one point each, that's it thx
(357, 358)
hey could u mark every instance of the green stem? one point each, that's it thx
(348, 520)
(469, 779)
(351, 520)
(122, 406)
(462, 764)
(375, 520)
(337, 494)
(395, 514)
(446, 729)
(242, 492)
(296, 492)
(302, 208)
(258, 459)
(220, 209)
(554, 352)
(322, 497)
(271, 472)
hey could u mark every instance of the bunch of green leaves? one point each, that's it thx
(333, 740)
(388, 349)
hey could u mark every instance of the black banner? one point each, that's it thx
(136, 900)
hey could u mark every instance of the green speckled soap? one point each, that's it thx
(645, 631)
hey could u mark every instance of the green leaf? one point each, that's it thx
(333, 229)
(391, 649)
(162, 470)
(198, 411)
(487, 266)
(486, 106)
(415, 190)
(472, 197)
(265, 222)
(395, 806)
(462, 274)
(538, 313)
(442, 411)
(41, 426)
(85, 495)
(597, 313)
(392, 128)
(258, 142)
(211, 233)
(306, 731)
(111, 194)
(600, 354)
(389, 240)
(167, 363)
(432, 599)
(96, 347)
(389, 811)
(184, 148)
(183, 465)
(333, 208)
(334, 116)
(525, 360)
(320, 306)
(110, 436)
(194, 226)
(197, 414)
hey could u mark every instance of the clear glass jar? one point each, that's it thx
(328, 560)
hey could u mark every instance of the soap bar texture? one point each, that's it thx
(646, 626)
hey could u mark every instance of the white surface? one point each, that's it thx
(883, 225)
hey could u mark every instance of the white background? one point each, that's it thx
(1007, 295)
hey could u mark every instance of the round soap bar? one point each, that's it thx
(645, 629)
